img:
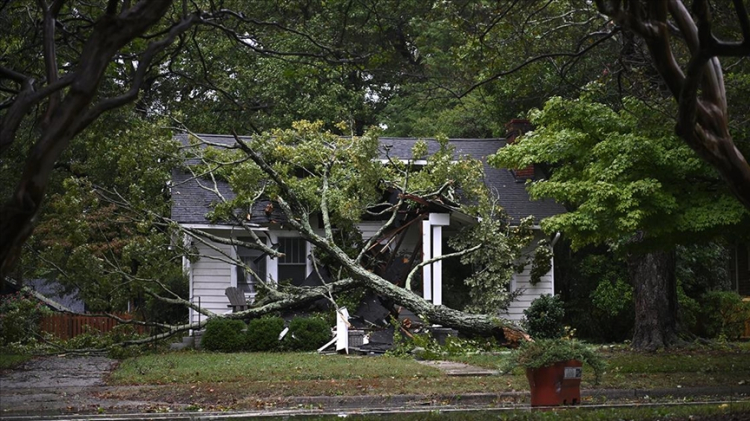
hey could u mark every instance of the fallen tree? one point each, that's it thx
(309, 175)
(317, 176)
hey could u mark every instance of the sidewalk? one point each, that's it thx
(69, 388)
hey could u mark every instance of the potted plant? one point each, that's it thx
(554, 369)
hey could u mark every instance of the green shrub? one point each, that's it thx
(544, 317)
(307, 333)
(224, 335)
(582, 274)
(723, 315)
(19, 319)
(263, 334)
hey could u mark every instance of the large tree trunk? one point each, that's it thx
(655, 295)
(71, 114)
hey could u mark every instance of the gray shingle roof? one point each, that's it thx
(191, 202)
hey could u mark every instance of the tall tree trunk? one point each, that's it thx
(655, 295)
(67, 117)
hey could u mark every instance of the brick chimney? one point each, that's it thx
(514, 129)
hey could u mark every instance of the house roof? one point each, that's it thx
(191, 201)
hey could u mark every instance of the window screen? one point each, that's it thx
(293, 265)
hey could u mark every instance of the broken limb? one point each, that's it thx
(478, 324)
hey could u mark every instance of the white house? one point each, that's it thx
(213, 272)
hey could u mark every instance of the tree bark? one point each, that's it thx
(696, 84)
(655, 296)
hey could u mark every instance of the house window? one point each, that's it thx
(293, 265)
(256, 261)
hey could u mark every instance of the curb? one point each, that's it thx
(321, 405)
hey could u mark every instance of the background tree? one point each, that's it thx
(631, 185)
(81, 242)
(685, 47)
(486, 62)
(75, 61)
(251, 67)
(52, 86)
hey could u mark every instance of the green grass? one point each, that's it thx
(678, 362)
(12, 360)
(257, 380)
(199, 367)
(696, 366)
(695, 360)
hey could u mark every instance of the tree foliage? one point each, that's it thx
(622, 174)
(101, 250)
(685, 46)
(632, 185)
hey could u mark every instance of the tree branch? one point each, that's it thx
(50, 56)
(144, 64)
(415, 269)
(540, 57)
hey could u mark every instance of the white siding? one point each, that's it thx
(210, 277)
(532, 292)
(546, 285)
(369, 228)
(212, 274)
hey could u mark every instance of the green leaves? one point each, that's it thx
(619, 172)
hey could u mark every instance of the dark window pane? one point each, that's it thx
(295, 273)
(293, 249)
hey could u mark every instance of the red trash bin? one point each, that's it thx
(555, 385)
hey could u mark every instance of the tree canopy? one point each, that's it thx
(629, 183)
(688, 63)
(621, 174)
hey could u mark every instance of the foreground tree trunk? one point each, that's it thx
(655, 296)
(697, 84)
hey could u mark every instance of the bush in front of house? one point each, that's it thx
(224, 335)
(19, 319)
(722, 315)
(307, 334)
(263, 334)
(544, 319)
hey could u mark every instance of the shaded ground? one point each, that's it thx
(62, 384)
(61, 371)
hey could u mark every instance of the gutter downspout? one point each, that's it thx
(552, 247)
(554, 240)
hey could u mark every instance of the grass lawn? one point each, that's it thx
(248, 380)
(200, 367)
(700, 366)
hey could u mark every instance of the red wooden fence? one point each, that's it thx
(66, 326)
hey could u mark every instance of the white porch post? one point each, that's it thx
(272, 263)
(432, 247)
(426, 255)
